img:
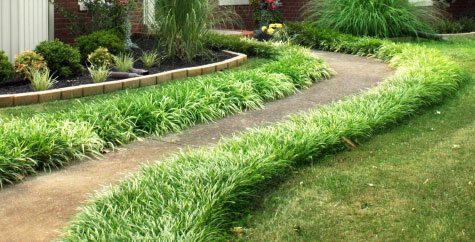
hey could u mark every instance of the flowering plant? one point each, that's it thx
(266, 32)
(266, 11)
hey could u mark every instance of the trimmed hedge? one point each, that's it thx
(195, 195)
(51, 140)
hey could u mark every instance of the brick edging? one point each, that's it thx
(86, 90)
(458, 34)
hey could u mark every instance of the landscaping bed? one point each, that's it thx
(196, 195)
(144, 43)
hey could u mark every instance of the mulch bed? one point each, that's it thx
(145, 44)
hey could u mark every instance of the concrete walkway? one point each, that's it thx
(37, 208)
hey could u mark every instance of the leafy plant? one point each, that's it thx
(41, 80)
(379, 18)
(150, 58)
(6, 68)
(28, 60)
(99, 73)
(266, 12)
(242, 45)
(101, 57)
(181, 26)
(106, 39)
(62, 59)
(124, 62)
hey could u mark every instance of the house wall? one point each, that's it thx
(463, 8)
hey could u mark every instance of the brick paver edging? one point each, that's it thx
(10, 100)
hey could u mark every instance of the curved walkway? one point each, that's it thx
(37, 208)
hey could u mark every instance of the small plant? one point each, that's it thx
(124, 62)
(266, 33)
(41, 80)
(266, 12)
(150, 58)
(62, 59)
(99, 74)
(6, 68)
(27, 61)
(107, 39)
(101, 57)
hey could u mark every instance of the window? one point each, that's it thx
(422, 2)
(233, 2)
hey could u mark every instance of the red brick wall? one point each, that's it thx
(462, 8)
(62, 28)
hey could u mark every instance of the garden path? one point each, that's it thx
(37, 208)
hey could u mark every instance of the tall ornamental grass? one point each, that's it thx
(52, 140)
(181, 25)
(378, 18)
(195, 195)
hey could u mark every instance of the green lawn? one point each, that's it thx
(414, 183)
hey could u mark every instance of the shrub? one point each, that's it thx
(159, 110)
(462, 25)
(380, 18)
(150, 58)
(101, 57)
(99, 73)
(62, 59)
(6, 68)
(240, 44)
(28, 60)
(196, 195)
(123, 62)
(182, 24)
(41, 80)
(106, 39)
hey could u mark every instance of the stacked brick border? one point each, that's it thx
(458, 34)
(11, 100)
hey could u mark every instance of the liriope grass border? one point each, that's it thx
(195, 195)
(52, 140)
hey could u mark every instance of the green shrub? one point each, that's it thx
(101, 57)
(27, 61)
(6, 68)
(240, 44)
(461, 25)
(158, 110)
(62, 59)
(379, 18)
(196, 195)
(182, 24)
(106, 39)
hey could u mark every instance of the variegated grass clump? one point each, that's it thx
(99, 74)
(41, 79)
(124, 62)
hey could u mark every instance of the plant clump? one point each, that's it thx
(62, 59)
(27, 61)
(6, 68)
(124, 62)
(41, 80)
(99, 73)
(101, 57)
(378, 18)
(106, 39)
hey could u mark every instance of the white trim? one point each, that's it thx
(422, 3)
(233, 2)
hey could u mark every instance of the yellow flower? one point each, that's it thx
(275, 26)
(270, 31)
(264, 28)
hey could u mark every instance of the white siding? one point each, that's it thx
(233, 2)
(23, 24)
(422, 2)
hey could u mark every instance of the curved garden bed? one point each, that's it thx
(9, 100)
(195, 195)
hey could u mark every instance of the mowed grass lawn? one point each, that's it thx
(413, 183)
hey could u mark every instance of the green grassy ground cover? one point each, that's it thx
(198, 195)
(415, 183)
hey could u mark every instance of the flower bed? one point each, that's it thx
(195, 195)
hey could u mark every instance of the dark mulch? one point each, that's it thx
(144, 43)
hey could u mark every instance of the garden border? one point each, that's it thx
(458, 34)
(10, 100)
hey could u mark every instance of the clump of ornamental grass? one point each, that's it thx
(41, 80)
(182, 25)
(124, 62)
(379, 18)
(197, 194)
(150, 58)
(99, 74)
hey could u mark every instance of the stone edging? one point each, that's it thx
(10, 100)
(458, 34)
